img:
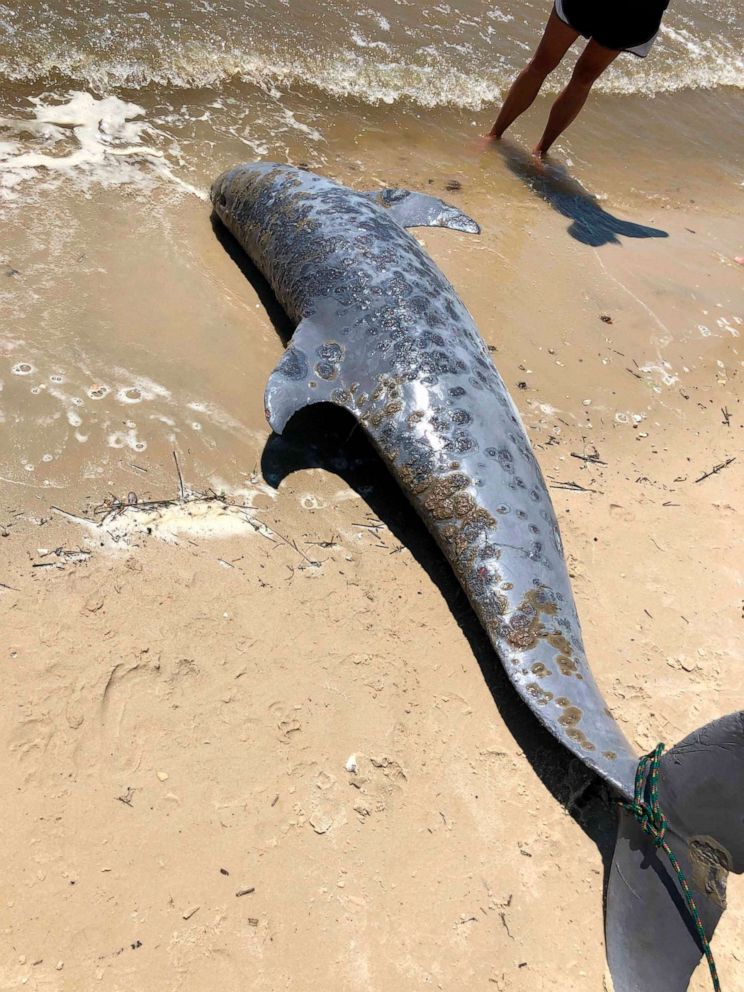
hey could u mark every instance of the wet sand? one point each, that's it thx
(179, 714)
(134, 332)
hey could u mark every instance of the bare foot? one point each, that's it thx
(540, 158)
(484, 141)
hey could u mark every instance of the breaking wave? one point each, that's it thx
(680, 61)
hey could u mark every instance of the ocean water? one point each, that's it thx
(116, 116)
(101, 86)
(456, 54)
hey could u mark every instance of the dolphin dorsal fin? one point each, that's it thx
(308, 372)
(421, 210)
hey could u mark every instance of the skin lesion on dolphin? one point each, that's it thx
(464, 527)
(326, 370)
(541, 696)
(568, 666)
(293, 365)
(565, 660)
(571, 715)
(388, 411)
(569, 719)
(540, 670)
(469, 555)
(560, 643)
(711, 863)
(388, 388)
(416, 482)
(580, 737)
(525, 627)
(330, 355)
(341, 397)
(442, 493)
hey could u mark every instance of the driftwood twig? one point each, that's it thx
(181, 490)
(574, 487)
(716, 469)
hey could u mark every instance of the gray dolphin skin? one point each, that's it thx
(381, 333)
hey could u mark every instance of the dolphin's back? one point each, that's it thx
(314, 240)
(384, 335)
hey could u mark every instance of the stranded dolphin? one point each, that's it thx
(382, 333)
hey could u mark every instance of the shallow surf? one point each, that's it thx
(125, 336)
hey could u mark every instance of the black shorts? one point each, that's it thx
(628, 26)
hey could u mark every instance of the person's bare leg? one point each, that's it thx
(556, 41)
(592, 63)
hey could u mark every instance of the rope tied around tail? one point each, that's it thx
(653, 822)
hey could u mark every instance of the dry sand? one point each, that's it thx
(271, 749)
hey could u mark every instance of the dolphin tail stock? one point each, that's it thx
(654, 940)
(411, 209)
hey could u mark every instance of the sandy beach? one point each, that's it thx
(253, 733)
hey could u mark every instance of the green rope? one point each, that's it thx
(654, 823)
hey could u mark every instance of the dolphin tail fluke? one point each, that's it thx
(653, 938)
(421, 210)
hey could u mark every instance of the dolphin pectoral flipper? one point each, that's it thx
(421, 210)
(652, 939)
(307, 373)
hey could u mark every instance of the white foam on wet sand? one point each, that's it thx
(103, 140)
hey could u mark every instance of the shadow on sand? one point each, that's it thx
(590, 224)
(325, 437)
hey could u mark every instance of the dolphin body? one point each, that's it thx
(382, 334)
